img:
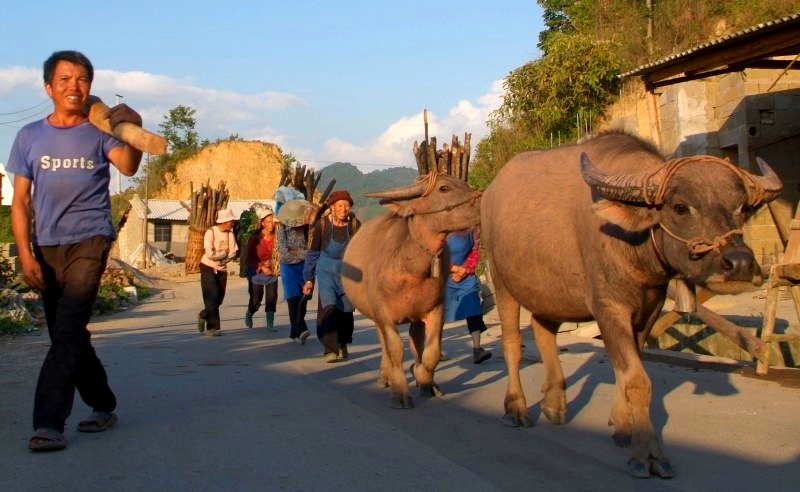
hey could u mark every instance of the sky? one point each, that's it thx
(344, 81)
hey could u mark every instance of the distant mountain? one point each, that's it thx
(349, 177)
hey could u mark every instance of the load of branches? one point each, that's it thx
(452, 160)
(303, 179)
(204, 202)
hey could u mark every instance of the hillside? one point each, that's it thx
(349, 177)
(251, 169)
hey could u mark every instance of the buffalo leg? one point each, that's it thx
(515, 406)
(386, 363)
(397, 381)
(630, 414)
(426, 345)
(554, 402)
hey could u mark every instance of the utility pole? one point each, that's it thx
(146, 213)
(119, 174)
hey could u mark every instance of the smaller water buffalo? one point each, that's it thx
(395, 270)
(596, 231)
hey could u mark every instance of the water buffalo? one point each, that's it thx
(595, 231)
(395, 270)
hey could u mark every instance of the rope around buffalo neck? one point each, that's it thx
(755, 192)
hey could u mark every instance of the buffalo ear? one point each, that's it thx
(402, 209)
(628, 217)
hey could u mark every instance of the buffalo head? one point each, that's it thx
(695, 208)
(445, 203)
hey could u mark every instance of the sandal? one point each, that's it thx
(97, 422)
(45, 439)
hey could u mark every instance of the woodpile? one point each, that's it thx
(204, 205)
(304, 180)
(452, 160)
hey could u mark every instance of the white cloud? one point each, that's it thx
(220, 113)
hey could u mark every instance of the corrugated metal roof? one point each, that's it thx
(239, 206)
(161, 209)
(178, 210)
(716, 44)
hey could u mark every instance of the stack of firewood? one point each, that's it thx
(204, 205)
(452, 160)
(304, 180)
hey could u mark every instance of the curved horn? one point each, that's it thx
(413, 190)
(640, 187)
(770, 182)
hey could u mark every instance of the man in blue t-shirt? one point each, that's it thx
(61, 176)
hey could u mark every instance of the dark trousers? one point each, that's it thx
(213, 284)
(297, 315)
(334, 328)
(72, 277)
(476, 323)
(267, 292)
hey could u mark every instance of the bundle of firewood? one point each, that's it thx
(204, 203)
(452, 160)
(303, 180)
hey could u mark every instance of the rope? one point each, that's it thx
(699, 245)
(755, 192)
(431, 177)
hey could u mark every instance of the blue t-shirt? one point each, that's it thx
(70, 172)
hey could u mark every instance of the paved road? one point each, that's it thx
(252, 411)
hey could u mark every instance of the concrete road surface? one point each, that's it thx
(253, 411)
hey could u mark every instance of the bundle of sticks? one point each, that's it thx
(304, 180)
(204, 202)
(452, 160)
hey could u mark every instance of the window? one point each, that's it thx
(162, 232)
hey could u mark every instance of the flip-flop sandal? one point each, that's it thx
(45, 439)
(97, 422)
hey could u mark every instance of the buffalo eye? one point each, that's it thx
(680, 209)
(444, 188)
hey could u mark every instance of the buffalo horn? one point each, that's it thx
(627, 187)
(413, 190)
(769, 181)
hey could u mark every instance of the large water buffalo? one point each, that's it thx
(395, 270)
(595, 231)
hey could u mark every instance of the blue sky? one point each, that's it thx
(327, 81)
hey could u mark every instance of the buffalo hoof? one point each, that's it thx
(623, 440)
(638, 468)
(555, 416)
(401, 402)
(662, 468)
(430, 390)
(512, 420)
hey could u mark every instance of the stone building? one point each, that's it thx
(735, 97)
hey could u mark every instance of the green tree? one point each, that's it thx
(178, 129)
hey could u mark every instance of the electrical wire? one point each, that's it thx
(26, 110)
(6, 123)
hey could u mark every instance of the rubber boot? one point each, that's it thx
(248, 318)
(271, 321)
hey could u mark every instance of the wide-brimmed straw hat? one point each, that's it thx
(292, 212)
(225, 215)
